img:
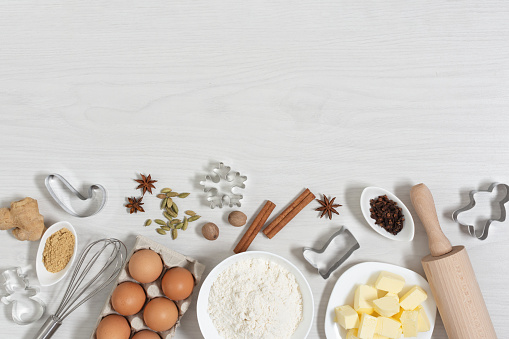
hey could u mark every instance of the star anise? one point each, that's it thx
(145, 183)
(328, 207)
(135, 205)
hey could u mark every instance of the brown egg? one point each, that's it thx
(113, 326)
(160, 314)
(128, 298)
(146, 334)
(145, 266)
(177, 283)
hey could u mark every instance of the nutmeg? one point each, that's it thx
(237, 218)
(210, 231)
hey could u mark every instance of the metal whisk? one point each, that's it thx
(80, 288)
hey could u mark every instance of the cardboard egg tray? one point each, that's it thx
(153, 290)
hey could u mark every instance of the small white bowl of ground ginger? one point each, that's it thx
(56, 253)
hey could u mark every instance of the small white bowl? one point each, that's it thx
(406, 234)
(205, 323)
(47, 278)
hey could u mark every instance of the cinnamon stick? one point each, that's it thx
(255, 227)
(297, 206)
(283, 214)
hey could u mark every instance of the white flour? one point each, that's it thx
(255, 298)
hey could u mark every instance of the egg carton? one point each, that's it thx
(153, 290)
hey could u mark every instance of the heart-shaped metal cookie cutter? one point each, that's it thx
(91, 193)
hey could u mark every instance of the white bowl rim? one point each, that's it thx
(405, 234)
(207, 283)
(47, 278)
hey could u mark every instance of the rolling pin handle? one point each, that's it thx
(425, 207)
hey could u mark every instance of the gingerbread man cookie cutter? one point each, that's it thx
(484, 231)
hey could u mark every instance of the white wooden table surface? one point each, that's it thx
(330, 95)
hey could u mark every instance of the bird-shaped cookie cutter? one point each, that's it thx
(471, 204)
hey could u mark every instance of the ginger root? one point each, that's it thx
(24, 217)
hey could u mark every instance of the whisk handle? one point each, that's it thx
(49, 328)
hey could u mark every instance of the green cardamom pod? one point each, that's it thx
(161, 196)
(171, 212)
(160, 222)
(148, 222)
(174, 234)
(190, 213)
(166, 228)
(175, 208)
(179, 226)
(175, 221)
(163, 203)
(194, 217)
(167, 216)
(169, 202)
(184, 227)
(166, 190)
(183, 195)
(160, 231)
(172, 194)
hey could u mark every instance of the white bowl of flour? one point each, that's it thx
(255, 295)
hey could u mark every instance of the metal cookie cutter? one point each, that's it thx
(326, 259)
(219, 194)
(25, 306)
(471, 204)
(68, 209)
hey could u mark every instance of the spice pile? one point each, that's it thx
(387, 214)
(58, 250)
(170, 212)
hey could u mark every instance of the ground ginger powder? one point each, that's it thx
(58, 250)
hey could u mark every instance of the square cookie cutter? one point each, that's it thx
(342, 244)
(471, 204)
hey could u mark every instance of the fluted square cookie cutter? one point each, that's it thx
(25, 306)
(318, 257)
(471, 204)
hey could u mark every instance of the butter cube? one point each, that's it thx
(392, 295)
(423, 324)
(347, 317)
(409, 321)
(378, 336)
(367, 326)
(352, 334)
(386, 306)
(413, 298)
(363, 300)
(388, 327)
(390, 282)
(397, 316)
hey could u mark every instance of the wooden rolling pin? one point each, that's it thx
(451, 277)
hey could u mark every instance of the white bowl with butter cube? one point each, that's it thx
(379, 301)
